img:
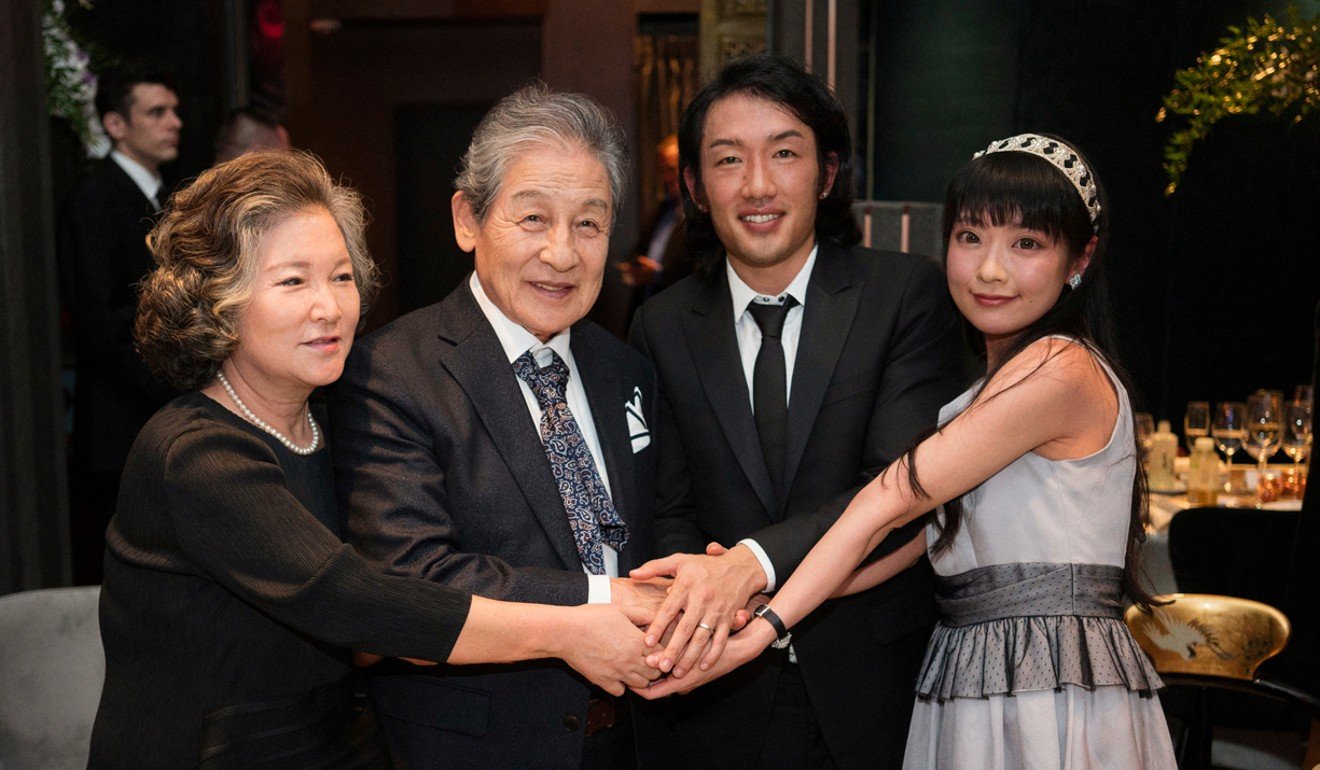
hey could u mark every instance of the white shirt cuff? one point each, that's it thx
(759, 553)
(598, 589)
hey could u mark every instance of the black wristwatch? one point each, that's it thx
(781, 631)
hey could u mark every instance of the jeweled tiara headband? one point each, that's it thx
(1062, 157)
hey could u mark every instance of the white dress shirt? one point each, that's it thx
(749, 344)
(148, 182)
(516, 340)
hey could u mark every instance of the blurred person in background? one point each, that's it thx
(249, 129)
(102, 252)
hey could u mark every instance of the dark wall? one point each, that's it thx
(34, 513)
(951, 76)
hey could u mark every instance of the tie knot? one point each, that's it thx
(548, 384)
(770, 318)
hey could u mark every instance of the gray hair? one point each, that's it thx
(535, 115)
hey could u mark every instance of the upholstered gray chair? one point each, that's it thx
(51, 669)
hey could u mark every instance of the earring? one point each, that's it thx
(824, 195)
(1075, 281)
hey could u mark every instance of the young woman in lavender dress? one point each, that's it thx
(1037, 471)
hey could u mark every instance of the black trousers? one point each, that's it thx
(792, 738)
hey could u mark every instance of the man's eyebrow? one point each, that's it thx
(779, 137)
(534, 194)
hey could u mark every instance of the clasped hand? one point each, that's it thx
(707, 600)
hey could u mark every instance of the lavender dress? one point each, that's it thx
(1031, 665)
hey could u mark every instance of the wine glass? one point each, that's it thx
(1276, 397)
(1230, 430)
(1196, 422)
(1297, 432)
(1263, 430)
(1305, 393)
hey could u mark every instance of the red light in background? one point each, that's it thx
(270, 19)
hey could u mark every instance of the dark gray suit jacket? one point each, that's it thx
(879, 353)
(442, 475)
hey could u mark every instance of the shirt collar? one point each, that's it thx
(146, 181)
(514, 339)
(744, 294)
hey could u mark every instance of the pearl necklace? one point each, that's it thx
(260, 423)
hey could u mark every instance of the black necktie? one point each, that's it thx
(770, 387)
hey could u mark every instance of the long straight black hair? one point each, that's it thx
(1017, 188)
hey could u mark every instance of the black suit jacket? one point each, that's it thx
(441, 474)
(102, 257)
(879, 353)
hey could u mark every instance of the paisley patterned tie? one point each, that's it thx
(592, 517)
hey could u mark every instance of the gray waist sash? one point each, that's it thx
(1012, 628)
(1030, 589)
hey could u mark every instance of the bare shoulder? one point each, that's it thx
(1063, 390)
(1052, 367)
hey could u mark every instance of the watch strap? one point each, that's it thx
(777, 623)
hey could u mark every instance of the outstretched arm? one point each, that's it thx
(873, 574)
(1045, 400)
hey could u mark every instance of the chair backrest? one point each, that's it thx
(51, 671)
(1209, 635)
(1304, 572)
(1233, 551)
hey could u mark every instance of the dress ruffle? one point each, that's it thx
(1018, 654)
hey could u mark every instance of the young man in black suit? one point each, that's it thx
(498, 443)
(102, 256)
(792, 369)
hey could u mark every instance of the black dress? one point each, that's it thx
(229, 605)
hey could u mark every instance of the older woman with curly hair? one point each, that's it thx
(229, 602)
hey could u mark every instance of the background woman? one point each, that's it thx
(229, 602)
(1036, 465)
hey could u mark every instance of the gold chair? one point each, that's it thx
(1207, 642)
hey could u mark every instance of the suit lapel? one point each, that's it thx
(129, 189)
(827, 315)
(710, 336)
(606, 397)
(478, 364)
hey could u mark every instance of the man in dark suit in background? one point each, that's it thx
(102, 257)
(498, 443)
(792, 369)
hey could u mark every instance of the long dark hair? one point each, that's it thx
(1019, 188)
(783, 81)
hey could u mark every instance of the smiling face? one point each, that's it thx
(540, 254)
(761, 182)
(295, 332)
(149, 133)
(1003, 278)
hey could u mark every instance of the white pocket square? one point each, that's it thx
(637, 430)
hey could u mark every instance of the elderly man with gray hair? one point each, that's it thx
(497, 443)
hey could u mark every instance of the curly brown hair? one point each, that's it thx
(206, 249)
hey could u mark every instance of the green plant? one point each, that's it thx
(1267, 65)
